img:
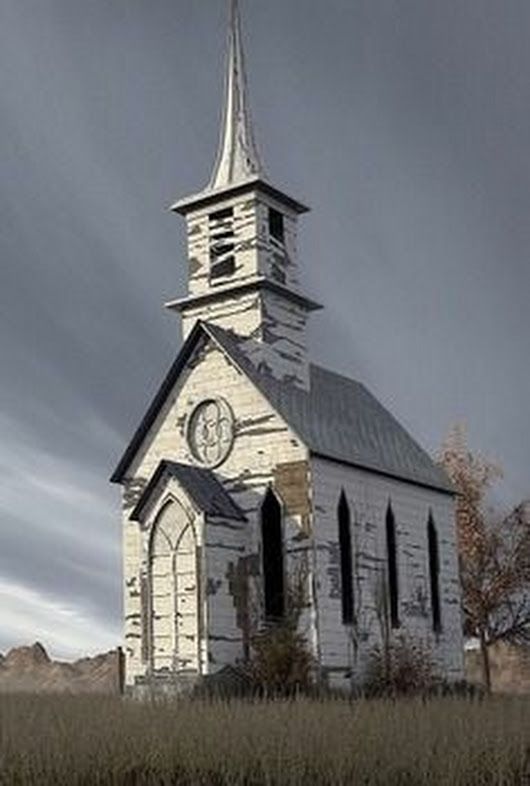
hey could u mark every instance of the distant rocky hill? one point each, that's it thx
(30, 669)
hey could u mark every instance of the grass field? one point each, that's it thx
(90, 740)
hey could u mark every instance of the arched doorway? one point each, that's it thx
(174, 592)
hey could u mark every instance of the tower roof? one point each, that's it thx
(237, 158)
(238, 166)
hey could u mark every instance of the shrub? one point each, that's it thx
(281, 663)
(400, 668)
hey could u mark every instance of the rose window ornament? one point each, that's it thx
(211, 432)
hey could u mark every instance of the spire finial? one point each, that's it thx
(238, 158)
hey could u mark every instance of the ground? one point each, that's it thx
(74, 741)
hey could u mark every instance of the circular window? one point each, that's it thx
(211, 432)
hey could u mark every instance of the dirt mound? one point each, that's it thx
(30, 669)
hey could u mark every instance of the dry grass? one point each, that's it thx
(88, 740)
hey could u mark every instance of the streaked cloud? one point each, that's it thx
(405, 126)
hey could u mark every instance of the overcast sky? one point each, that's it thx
(405, 124)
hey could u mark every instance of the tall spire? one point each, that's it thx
(237, 158)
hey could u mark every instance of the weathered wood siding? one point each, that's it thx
(344, 649)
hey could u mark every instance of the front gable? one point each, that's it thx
(204, 371)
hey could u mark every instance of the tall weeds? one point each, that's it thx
(80, 741)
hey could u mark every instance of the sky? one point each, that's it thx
(404, 124)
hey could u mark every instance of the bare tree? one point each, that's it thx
(494, 553)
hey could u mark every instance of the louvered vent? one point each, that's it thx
(222, 259)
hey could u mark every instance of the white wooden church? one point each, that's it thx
(254, 468)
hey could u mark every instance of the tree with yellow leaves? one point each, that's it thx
(494, 553)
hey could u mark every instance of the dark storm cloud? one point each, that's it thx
(405, 125)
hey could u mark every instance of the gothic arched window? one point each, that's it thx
(174, 612)
(392, 567)
(434, 575)
(346, 567)
(272, 554)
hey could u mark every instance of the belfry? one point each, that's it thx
(254, 468)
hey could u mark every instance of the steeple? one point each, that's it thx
(238, 157)
(242, 244)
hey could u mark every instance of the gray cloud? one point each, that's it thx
(405, 125)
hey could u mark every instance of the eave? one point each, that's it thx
(216, 195)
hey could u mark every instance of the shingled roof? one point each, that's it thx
(338, 418)
(202, 486)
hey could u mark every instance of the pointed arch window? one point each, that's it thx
(434, 575)
(272, 556)
(174, 591)
(392, 567)
(346, 566)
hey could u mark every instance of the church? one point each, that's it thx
(256, 474)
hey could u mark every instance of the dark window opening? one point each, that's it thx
(276, 227)
(393, 585)
(221, 215)
(434, 575)
(222, 246)
(225, 268)
(227, 235)
(272, 547)
(221, 249)
(346, 567)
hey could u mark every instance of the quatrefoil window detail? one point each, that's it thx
(211, 432)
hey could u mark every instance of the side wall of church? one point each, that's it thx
(345, 648)
(263, 444)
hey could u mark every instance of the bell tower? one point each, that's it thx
(242, 243)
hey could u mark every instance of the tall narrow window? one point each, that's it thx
(272, 549)
(222, 260)
(346, 575)
(434, 575)
(393, 580)
(276, 227)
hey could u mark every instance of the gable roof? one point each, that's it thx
(338, 418)
(201, 485)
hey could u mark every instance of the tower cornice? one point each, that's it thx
(235, 290)
(212, 196)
